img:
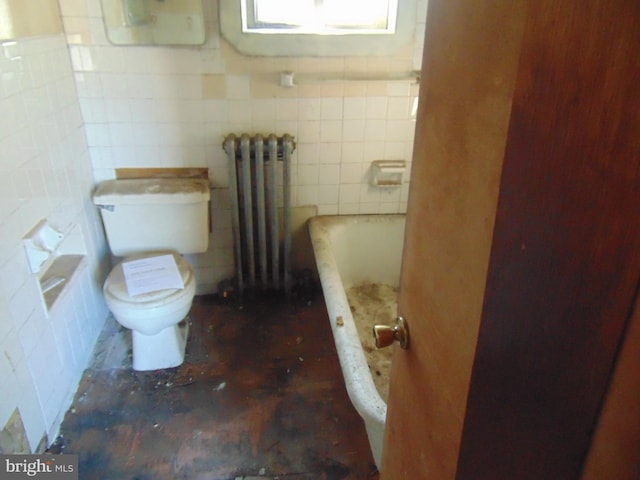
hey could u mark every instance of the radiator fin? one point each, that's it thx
(259, 183)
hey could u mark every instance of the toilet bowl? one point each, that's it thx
(154, 318)
(158, 216)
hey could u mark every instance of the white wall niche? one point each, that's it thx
(56, 257)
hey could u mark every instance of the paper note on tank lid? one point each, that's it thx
(151, 274)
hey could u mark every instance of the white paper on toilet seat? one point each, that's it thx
(151, 274)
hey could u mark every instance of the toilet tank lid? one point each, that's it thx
(152, 190)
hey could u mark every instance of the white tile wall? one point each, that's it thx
(146, 106)
(45, 173)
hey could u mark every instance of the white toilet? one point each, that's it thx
(145, 218)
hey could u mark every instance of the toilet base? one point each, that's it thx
(165, 349)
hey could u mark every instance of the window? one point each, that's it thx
(318, 27)
(321, 17)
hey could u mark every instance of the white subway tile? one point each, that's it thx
(89, 85)
(309, 109)
(328, 194)
(12, 349)
(141, 111)
(138, 85)
(307, 153)
(331, 108)
(398, 89)
(372, 151)
(118, 110)
(417, 58)
(419, 34)
(82, 58)
(331, 130)
(98, 135)
(421, 15)
(44, 365)
(29, 407)
(73, 8)
(240, 111)
(10, 388)
(263, 109)
(122, 156)
(216, 110)
(309, 131)
(399, 108)
(369, 208)
(329, 174)
(369, 194)
(350, 173)
(286, 109)
(375, 129)
(23, 302)
(136, 59)
(330, 153)
(164, 87)
(376, 108)
(349, 193)
(394, 151)
(109, 58)
(390, 195)
(93, 110)
(189, 86)
(307, 175)
(307, 195)
(324, 209)
(290, 127)
(238, 87)
(113, 87)
(389, 207)
(404, 193)
(354, 108)
(31, 331)
(352, 152)
(6, 325)
(353, 130)
(348, 208)
(397, 130)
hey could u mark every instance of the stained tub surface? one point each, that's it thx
(351, 251)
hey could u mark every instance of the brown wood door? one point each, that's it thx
(522, 251)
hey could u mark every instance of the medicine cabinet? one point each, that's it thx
(154, 22)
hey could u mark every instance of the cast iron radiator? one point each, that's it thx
(259, 184)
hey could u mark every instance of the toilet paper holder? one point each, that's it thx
(40, 244)
(387, 173)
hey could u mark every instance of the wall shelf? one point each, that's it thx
(55, 257)
(58, 276)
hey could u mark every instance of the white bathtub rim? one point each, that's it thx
(357, 376)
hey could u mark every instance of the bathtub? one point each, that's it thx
(351, 250)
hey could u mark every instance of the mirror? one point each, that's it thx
(154, 22)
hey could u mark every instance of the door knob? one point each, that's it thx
(385, 335)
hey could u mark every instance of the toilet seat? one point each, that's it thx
(115, 287)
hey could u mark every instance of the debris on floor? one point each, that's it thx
(252, 401)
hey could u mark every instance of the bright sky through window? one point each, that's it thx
(321, 16)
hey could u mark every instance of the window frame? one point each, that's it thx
(313, 44)
(251, 23)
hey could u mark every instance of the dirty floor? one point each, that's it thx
(260, 395)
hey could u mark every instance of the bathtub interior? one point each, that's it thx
(352, 251)
(374, 304)
(368, 250)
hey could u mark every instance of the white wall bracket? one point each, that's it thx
(40, 244)
(388, 173)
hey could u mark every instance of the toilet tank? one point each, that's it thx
(142, 215)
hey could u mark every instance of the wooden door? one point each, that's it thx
(522, 250)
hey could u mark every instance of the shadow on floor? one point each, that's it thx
(260, 395)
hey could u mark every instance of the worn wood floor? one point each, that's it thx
(260, 395)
